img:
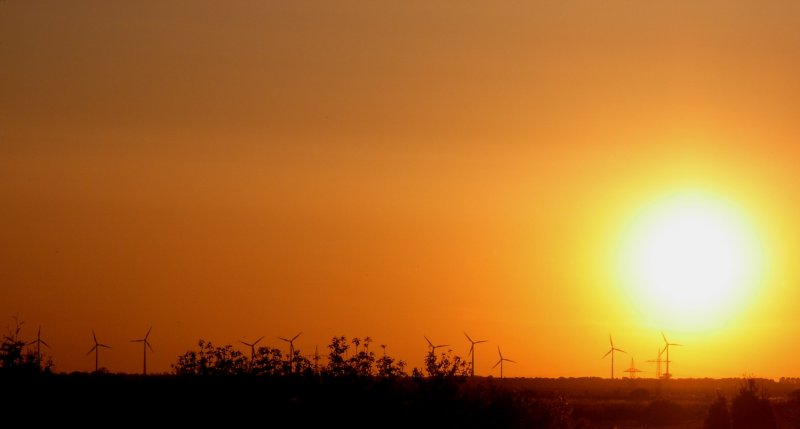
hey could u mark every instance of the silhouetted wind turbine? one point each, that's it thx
(291, 348)
(500, 362)
(145, 345)
(666, 348)
(252, 347)
(472, 350)
(433, 347)
(39, 341)
(632, 370)
(611, 352)
(96, 350)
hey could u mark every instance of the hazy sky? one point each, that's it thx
(233, 169)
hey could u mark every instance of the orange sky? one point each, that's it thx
(228, 170)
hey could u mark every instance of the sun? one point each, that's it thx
(690, 260)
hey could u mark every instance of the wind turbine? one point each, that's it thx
(500, 362)
(666, 348)
(611, 352)
(433, 347)
(96, 350)
(145, 345)
(39, 341)
(252, 347)
(632, 370)
(291, 348)
(472, 351)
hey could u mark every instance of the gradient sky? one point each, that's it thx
(233, 169)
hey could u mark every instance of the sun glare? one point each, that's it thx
(691, 260)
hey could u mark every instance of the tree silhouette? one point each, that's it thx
(13, 357)
(718, 416)
(750, 409)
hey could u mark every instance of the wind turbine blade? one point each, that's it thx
(136, 341)
(664, 337)
(94, 336)
(481, 341)
(676, 344)
(149, 346)
(103, 345)
(498, 363)
(45, 344)
(429, 341)
(499, 352)
(607, 353)
(468, 338)
(32, 342)
(284, 339)
(610, 341)
(247, 344)
(295, 337)
(471, 349)
(509, 360)
(259, 339)
(91, 350)
(443, 345)
(620, 350)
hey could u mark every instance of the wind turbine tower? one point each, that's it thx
(39, 341)
(252, 347)
(145, 345)
(611, 352)
(667, 344)
(96, 350)
(291, 349)
(500, 362)
(472, 352)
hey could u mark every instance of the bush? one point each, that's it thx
(751, 409)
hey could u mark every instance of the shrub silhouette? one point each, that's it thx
(446, 365)
(14, 359)
(750, 409)
(718, 416)
(210, 360)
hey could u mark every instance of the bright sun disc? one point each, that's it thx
(690, 260)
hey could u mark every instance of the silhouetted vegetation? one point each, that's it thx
(356, 384)
(15, 360)
(718, 415)
(750, 409)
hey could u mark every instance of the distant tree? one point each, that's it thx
(718, 415)
(387, 367)
(446, 365)
(337, 358)
(268, 361)
(360, 364)
(13, 357)
(750, 409)
(210, 360)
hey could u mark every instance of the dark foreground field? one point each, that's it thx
(315, 401)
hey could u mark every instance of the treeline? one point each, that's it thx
(345, 358)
